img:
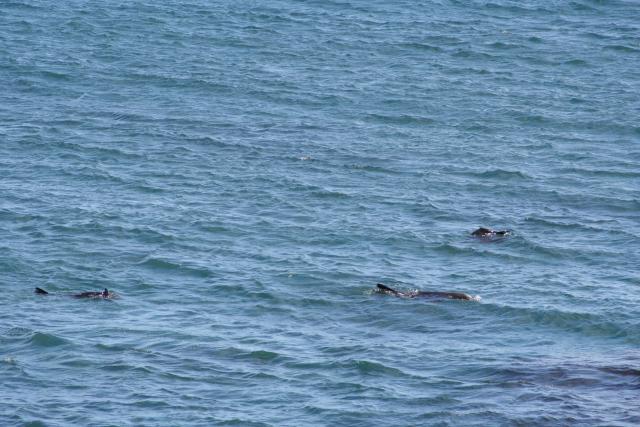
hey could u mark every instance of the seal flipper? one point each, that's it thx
(40, 291)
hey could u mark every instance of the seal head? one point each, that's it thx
(483, 232)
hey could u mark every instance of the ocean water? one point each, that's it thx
(241, 174)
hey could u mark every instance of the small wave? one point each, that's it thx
(21, 5)
(369, 168)
(125, 367)
(329, 194)
(17, 332)
(622, 48)
(504, 46)
(577, 62)
(116, 348)
(188, 83)
(621, 370)
(451, 249)
(470, 54)
(615, 204)
(360, 366)
(145, 234)
(519, 10)
(93, 174)
(166, 265)
(501, 174)
(403, 119)
(40, 339)
(77, 363)
(574, 253)
(583, 323)
(210, 142)
(372, 368)
(154, 404)
(217, 228)
(119, 116)
(563, 376)
(567, 225)
(9, 215)
(420, 46)
(601, 172)
(146, 188)
(260, 356)
(241, 422)
(580, 6)
(531, 119)
(111, 152)
(55, 75)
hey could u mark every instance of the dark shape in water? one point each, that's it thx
(486, 232)
(424, 294)
(92, 294)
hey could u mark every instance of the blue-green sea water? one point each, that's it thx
(243, 173)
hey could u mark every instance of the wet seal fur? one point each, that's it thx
(380, 288)
(92, 294)
(487, 233)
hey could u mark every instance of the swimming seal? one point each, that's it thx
(104, 294)
(424, 294)
(487, 232)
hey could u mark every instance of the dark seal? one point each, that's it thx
(483, 232)
(423, 294)
(92, 294)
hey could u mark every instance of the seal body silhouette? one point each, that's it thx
(488, 233)
(424, 294)
(92, 294)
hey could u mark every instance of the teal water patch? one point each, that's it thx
(243, 175)
(46, 340)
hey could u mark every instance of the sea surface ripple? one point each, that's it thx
(241, 174)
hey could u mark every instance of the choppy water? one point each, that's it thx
(243, 173)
